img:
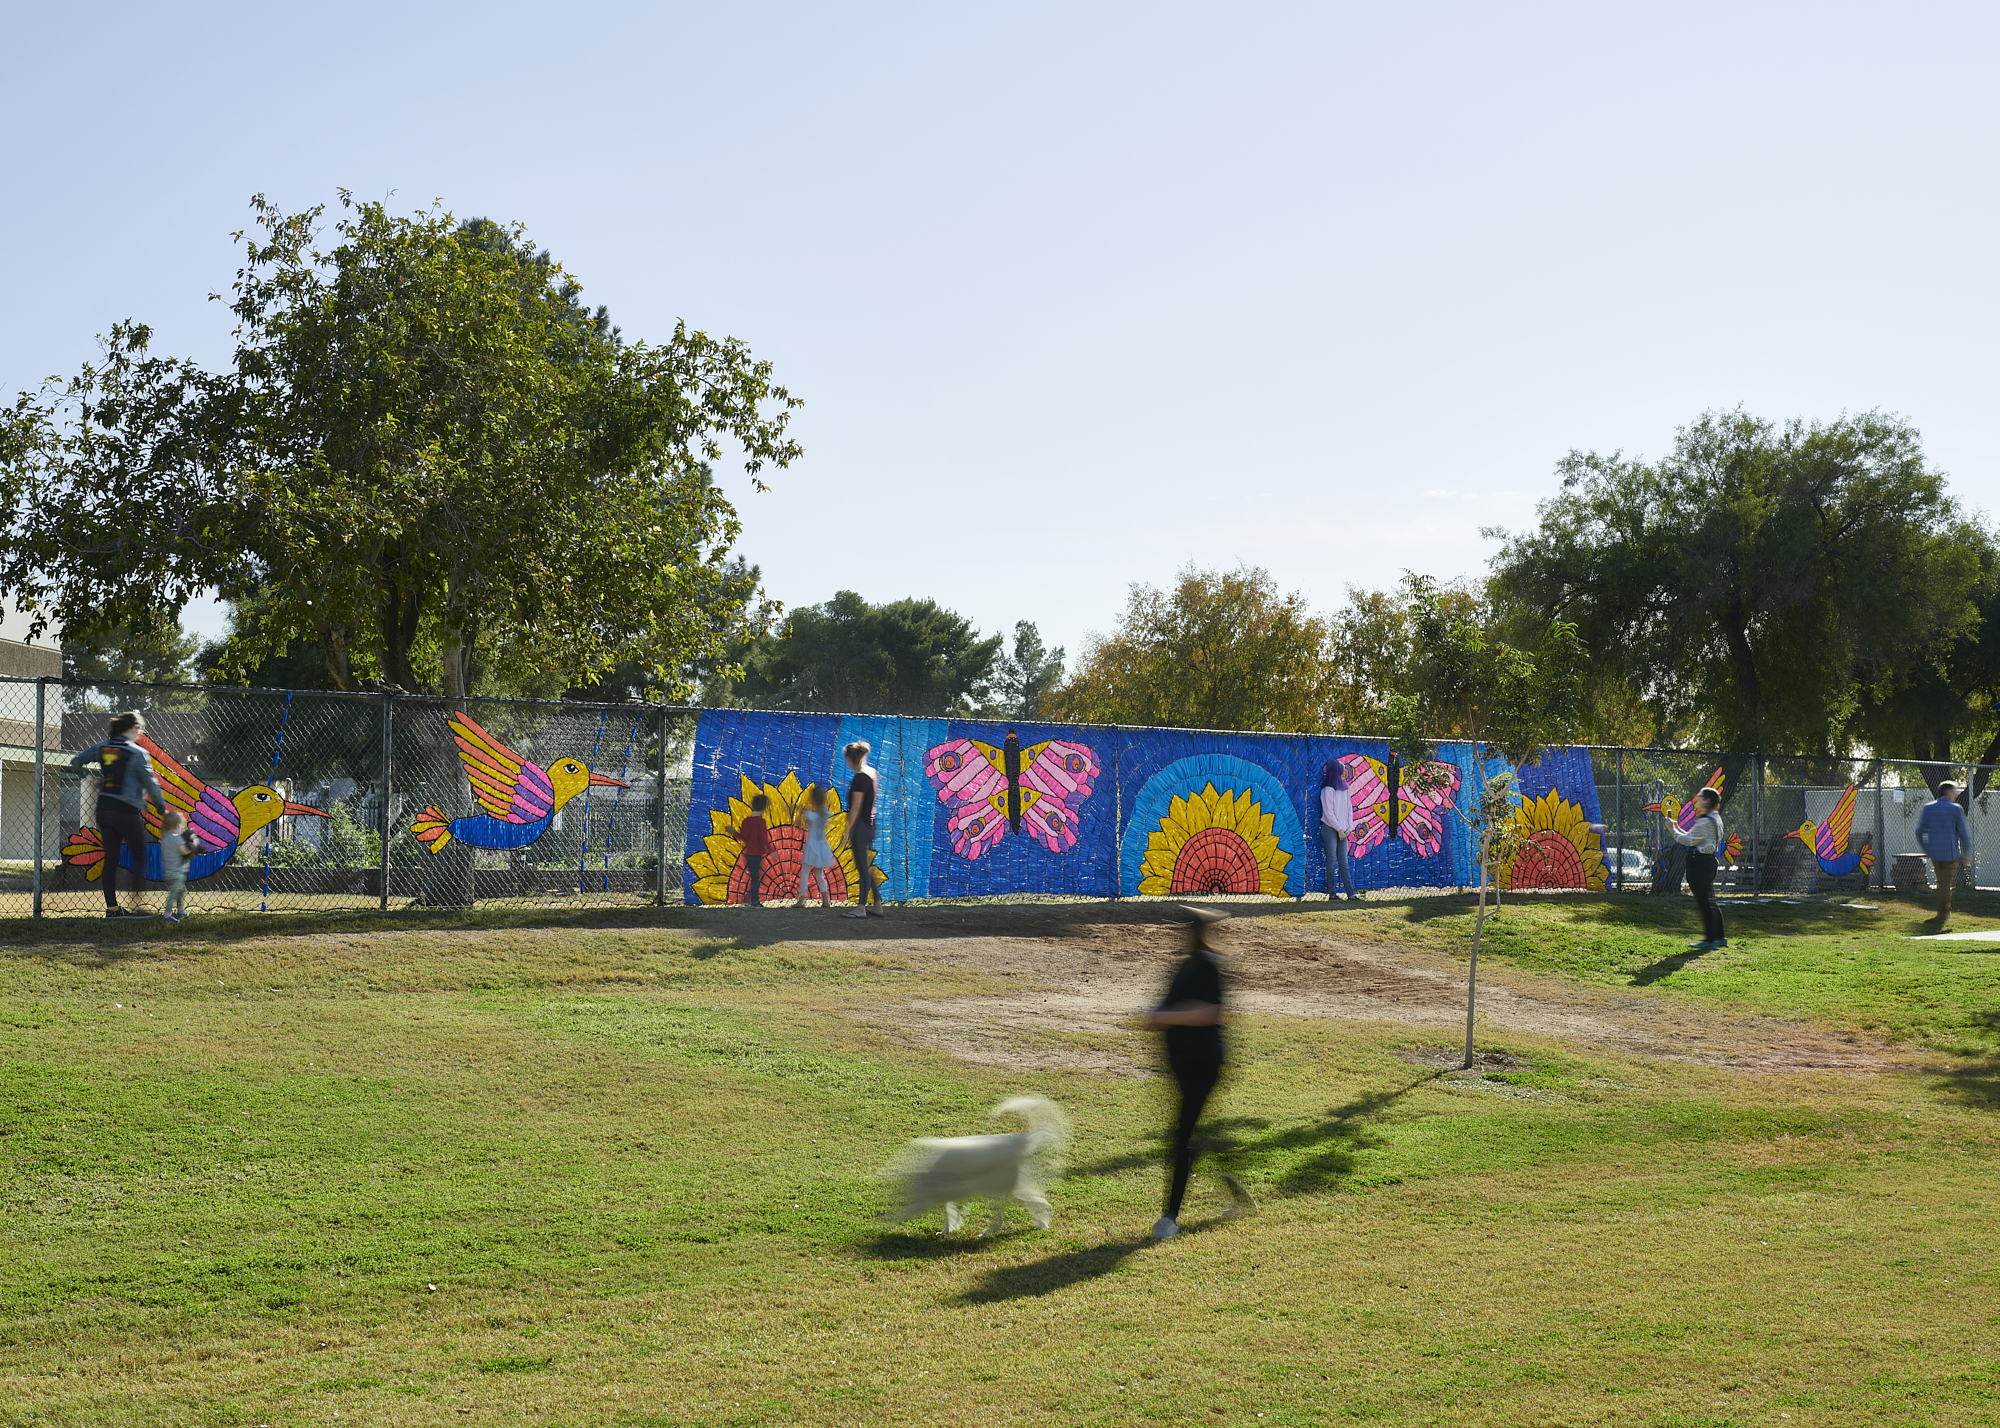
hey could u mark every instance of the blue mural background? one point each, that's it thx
(1141, 771)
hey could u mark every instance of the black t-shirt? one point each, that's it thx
(861, 801)
(1197, 979)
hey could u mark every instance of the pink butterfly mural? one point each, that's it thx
(991, 790)
(1424, 793)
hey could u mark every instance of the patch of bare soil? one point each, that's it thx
(1089, 970)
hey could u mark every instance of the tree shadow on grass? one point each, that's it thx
(1219, 1135)
(1229, 1143)
(1046, 1276)
(1664, 968)
(1336, 1140)
(1975, 1083)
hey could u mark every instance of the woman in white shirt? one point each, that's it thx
(1336, 822)
(1703, 840)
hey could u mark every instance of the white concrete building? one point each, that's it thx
(24, 659)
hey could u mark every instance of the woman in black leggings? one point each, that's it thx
(125, 783)
(1704, 842)
(1191, 1016)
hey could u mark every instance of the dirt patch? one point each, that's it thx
(1087, 977)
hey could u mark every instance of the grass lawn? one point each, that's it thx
(619, 1168)
(1853, 961)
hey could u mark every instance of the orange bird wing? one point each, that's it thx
(503, 783)
(182, 789)
(1832, 839)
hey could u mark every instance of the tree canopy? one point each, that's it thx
(122, 656)
(904, 657)
(1752, 586)
(1021, 682)
(427, 458)
(1220, 650)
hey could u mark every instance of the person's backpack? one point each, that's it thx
(118, 760)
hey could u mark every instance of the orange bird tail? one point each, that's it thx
(433, 830)
(85, 848)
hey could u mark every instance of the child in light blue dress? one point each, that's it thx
(816, 861)
(178, 843)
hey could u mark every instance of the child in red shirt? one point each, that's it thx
(755, 837)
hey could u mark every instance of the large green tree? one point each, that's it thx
(426, 458)
(904, 657)
(122, 656)
(1220, 650)
(1751, 585)
(1022, 681)
(1941, 707)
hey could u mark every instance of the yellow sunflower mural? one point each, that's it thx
(1213, 842)
(1559, 849)
(721, 876)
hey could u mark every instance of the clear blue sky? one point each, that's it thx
(1076, 294)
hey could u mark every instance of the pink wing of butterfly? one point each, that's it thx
(1368, 787)
(1426, 792)
(1423, 792)
(1056, 777)
(967, 777)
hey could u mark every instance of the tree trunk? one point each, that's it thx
(1472, 973)
(1744, 661)
(1984, 771)
(454, 657)
(401, 617)
(334, 648)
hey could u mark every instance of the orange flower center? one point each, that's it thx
(1215, 860)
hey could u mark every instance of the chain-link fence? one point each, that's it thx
(1797, 825)
(313, 799)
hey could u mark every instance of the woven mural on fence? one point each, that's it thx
(977, 809)
(517, 800)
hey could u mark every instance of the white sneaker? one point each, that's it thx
(1165, 1228)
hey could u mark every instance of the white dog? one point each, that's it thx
(987, 1167)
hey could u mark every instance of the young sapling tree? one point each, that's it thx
(1465, 682)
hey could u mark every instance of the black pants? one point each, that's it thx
(861, 841)
(121, 826)
(753, 896)
(1197, 1082)
(1701, 882)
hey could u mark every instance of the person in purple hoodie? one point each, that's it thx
(1336, 824)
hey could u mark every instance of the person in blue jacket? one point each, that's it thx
(125, 780)
(1945, 837)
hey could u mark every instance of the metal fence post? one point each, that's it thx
(660, 820)
(1618, 812)
(41, 780)
(1756, 826)
(388, 786)
(1881, 834)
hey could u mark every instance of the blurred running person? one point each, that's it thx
(861, 819)
(125, 781)
(1190, 1015)
(1704, 839)
(1336, 824)
(1945, 837)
